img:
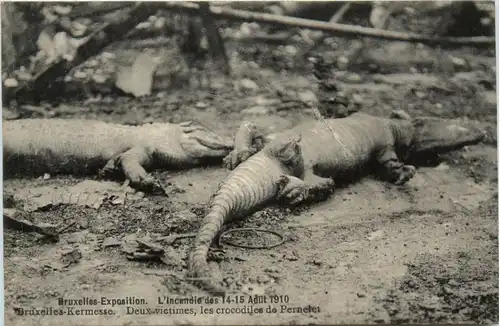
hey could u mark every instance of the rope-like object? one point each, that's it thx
(249, 246)
(319, 117)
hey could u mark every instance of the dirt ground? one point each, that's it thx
(424, 252)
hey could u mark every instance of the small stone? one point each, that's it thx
(92, 63)
(486, 21)
(420, 94)
(69, 256)
(256, 110)
(357, 99)
(46, 176)
(248, 84)
(61, 10)
(23, 75)
(431, 304)
(187, 215)
(159, 23)
(353, 79)
(245, 29)
(308, 97)
(108, 55)
(84, 224)
(442, 167)
(458, 62)
(447, 290)
(253, 65)
(118, 201)
(439, 106)
(10, 82)
(342, 62)
(290, 49)
(100, 79)
(110, 242)
(143, 25)
(263, 101)
(78, 32)
(80, 75)
(360, 295)
(201, 105)
(330, 42)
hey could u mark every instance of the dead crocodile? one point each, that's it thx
(332, 150)
(37, 146)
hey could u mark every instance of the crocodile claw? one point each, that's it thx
(151, 185)
(291, 189)
(234, 158)
(407, 172)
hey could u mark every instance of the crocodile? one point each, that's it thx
(333, 151)
(251, 186)
(83, 147)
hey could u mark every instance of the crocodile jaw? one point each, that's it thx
(199, 142)
(201, 146)
(434, 136)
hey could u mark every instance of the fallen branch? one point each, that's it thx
(337, 29)
(96, 9)
(109, 32)
(14, 219)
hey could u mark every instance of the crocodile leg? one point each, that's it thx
(312, 189)
(247, 142)
(131, 164)
(392, 169)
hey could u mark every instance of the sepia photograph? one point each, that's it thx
(249, 163)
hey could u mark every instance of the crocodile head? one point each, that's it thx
(289, 153)
(201, 143)
(433, 136)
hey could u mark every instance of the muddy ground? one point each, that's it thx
(424, 252)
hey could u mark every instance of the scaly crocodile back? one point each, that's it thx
(62, 145)
(250, 185)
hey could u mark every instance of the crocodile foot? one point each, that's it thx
(149, 185)
(235, 157)
(292, 190)
(407, 172)
(111, 171)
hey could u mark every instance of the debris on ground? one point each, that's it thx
(70, 256)
(137, 79)
(363, 245)
(88, 193)
(15, 219)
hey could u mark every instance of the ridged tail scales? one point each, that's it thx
(251, 185)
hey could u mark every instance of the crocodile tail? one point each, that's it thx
(247, 186)
(198, 265)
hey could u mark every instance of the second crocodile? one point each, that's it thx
(333, 150)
